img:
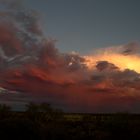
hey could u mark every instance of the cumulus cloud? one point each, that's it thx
(31, 65)
(104, 65)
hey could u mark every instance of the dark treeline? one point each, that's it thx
(42, 122)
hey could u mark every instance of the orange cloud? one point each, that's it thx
(120, 60)
(107, 80)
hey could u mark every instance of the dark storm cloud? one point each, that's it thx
(31, 64)
(104, 65)
(116, 81)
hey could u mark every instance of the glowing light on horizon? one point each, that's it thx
(131, 62)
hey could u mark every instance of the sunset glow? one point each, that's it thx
(69, 58)
(121, 61)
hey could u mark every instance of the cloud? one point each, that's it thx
(131, 48)
(106, 81)
(104, 65)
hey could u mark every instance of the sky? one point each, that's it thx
(82, 25)
(79, 56)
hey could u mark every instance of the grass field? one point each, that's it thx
(51, 124)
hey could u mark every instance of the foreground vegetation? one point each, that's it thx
(41, 122)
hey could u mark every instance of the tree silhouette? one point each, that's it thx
(32, 107)
(43, 112)
(4, 108)
(4, 111)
